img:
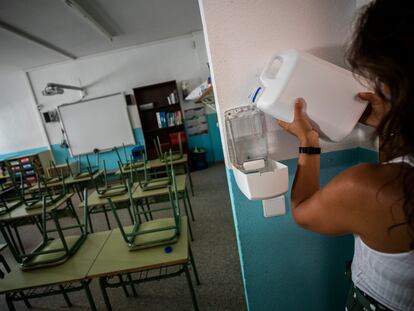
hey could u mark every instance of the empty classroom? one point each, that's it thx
(187, 154)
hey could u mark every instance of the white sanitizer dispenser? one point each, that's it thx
(257, 176)
(329, 91)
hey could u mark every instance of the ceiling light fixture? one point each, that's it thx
(43, 43)
(88, 17)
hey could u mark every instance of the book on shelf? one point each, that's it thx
(169, 119)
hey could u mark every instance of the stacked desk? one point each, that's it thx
(74, 270)
(103, 255)
(21, 212)
(139, 195)
(157, 163)
(74, 183)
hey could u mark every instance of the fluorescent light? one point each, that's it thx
(87, 16)
(43, 43)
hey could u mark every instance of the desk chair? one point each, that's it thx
(45, 194)
(167, 157)
(8, 270)
(89, 171)
(54, 173)
(52, 251)
(8, 204)
(153, 232)
(128, 164)
(149, 182)
(109, 190)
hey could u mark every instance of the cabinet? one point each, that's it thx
(160, 113)
(29, 166)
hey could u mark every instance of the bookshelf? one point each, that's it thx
(30, 165)
(160, 113)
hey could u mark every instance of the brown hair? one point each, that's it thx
(382, 51)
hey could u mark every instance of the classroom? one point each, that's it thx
(141, 166)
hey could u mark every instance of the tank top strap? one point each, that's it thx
(403, 159)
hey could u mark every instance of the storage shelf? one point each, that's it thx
(173, 107)
(158, 94)
(164, 128)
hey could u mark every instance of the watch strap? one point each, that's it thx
(310, 150)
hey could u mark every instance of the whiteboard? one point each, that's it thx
(97, 123)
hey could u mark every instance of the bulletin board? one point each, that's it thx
(97, 123)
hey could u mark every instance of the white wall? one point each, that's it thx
(361, 3)
(19, 125)
(180, 58)
(242, 35)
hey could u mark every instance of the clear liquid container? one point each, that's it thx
(246, 136)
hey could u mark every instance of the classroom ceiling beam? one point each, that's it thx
(73, 4)
(43, 43)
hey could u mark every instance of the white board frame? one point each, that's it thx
(129, 141)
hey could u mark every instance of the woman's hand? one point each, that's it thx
(375, 111)
(301, 126)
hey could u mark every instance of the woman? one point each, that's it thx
(375, 202)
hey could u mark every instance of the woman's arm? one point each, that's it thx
(306, 181)
(329, 210)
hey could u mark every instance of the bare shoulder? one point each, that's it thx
(367, 177)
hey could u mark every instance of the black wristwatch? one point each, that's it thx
(310, 150)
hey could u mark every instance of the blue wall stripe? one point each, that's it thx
(110, 157)
(214, 152)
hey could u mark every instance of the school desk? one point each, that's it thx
(143, 265)
(62, 279)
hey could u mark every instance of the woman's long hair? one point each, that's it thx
(382, 50)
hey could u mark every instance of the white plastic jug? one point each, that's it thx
(329, 91)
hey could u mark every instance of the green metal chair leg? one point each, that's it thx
(90, 222)
(19, 240)
(189, 204)
(190, 230)
(89, 295)
(65, 296)
(134, 292)
(123, 285)
(148, 208)
(9, 302)
(5, 264)
(190, 285)
(193, 264)
(106, 217)
(189, 177)
(102, 283)
(26, 301)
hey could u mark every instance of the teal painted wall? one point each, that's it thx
(211, 141)
(284, 266)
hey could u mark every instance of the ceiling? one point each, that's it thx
(131, 22)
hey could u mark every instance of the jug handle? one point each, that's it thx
(264, 77)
